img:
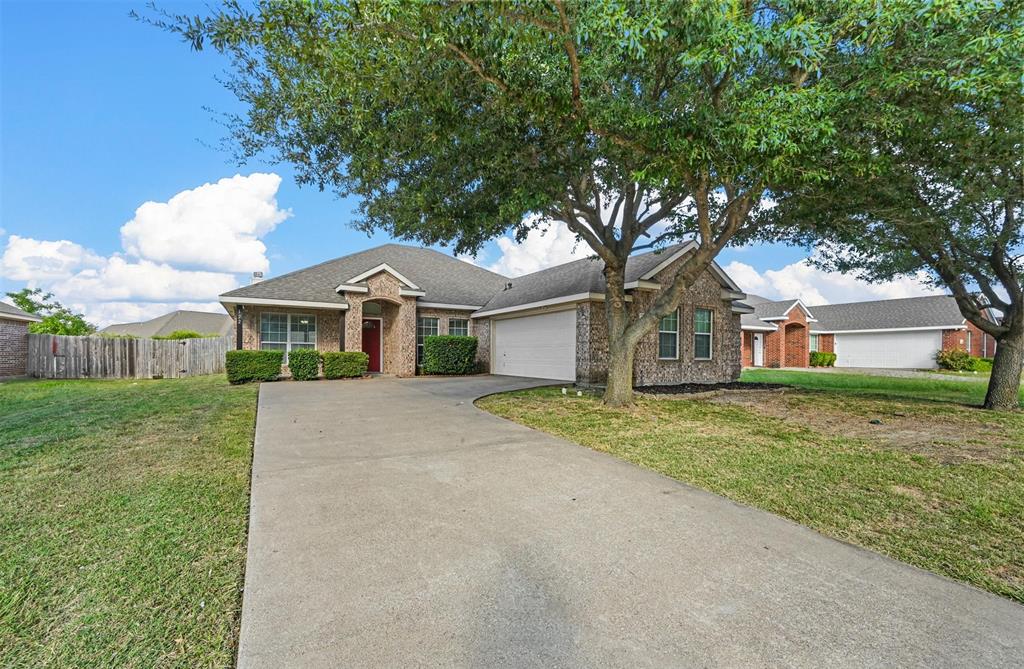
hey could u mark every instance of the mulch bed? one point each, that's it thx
(693, 388)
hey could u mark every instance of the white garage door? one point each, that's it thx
(542, 346)
(907, 350)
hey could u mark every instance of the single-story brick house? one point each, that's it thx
(549, 324)
(14, 339)
(902, 333)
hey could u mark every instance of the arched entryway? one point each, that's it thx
(796, 345)
(379, 334)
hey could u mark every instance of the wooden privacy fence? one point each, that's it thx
(64, 357)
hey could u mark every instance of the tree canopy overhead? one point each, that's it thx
(933, 178)
(632, 122)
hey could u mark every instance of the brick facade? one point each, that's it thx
(971, 339)
(13, 347)
(724, 365)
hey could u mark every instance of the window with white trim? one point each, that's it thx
(813, 346)
(425, 327)
(703, 327)
(668, 336)
(458, 327)
(284, 332)
(969, 342)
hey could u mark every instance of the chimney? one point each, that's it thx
(256, 277)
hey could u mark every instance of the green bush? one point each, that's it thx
(983, 364)
(185, 334)
(246, 366)
(449, 354)
(345, 364)
(822, 359)
(955, 360)
(304, 364)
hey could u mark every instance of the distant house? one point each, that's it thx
(197, 321)
(14, 339)
(902, 333)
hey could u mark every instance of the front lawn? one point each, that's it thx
(123, 519)
(933, 483)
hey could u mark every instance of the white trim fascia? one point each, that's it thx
(405, 292)
(455, 307)
(769, 328)
(745, 309)
(920, 329)
(383, 267)
(351, 288)
(728, 294)
(686, 248)
(785, 314)
(641, 284)
(566, 299)
(269, 302)
(28, 318)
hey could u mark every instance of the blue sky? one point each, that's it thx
(100, 114)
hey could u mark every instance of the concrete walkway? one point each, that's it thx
(395, 525)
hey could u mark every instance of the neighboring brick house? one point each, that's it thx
(776, 334)
(549, 324)
(14, 340)
(901, 333)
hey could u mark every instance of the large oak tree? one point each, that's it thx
(931, 178)
(631, 122)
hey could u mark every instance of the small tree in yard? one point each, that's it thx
(633, 123)
(932, 179)
(57, 319)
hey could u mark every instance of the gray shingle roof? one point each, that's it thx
(765, 308)
(12, 310)
(443, 278)
(572, 278)
(910, 312)
(202, 322)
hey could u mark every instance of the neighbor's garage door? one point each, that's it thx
(888, 349)
(542, 346)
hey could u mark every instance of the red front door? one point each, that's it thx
(371, 342)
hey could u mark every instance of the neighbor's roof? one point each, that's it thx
(197, 321)
(912, 312)
(581, 277)
(12, 312)
(444, 279)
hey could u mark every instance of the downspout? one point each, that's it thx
(239, 314)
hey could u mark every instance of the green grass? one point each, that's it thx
(123, 519)
(946, 493)
(937, 389)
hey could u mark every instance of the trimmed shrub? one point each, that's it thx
(983, 364)
(449, 354)
(345, 364)
(822, 359)
(246, 366)
(186, 334)
(304, 364)
(955, 360)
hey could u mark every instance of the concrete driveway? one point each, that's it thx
(395, 525)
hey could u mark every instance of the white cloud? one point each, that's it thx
(542, 248)
(179, 254)
(36, 261)
(215, 226)
(814, 286)
(120, 280)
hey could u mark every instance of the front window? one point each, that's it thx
(668, 336)
(458, 327)
(425, 327)
(703, 322)
(284, 332)
(814, 343)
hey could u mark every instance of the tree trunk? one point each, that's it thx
(619, 389)
(1004, 384)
